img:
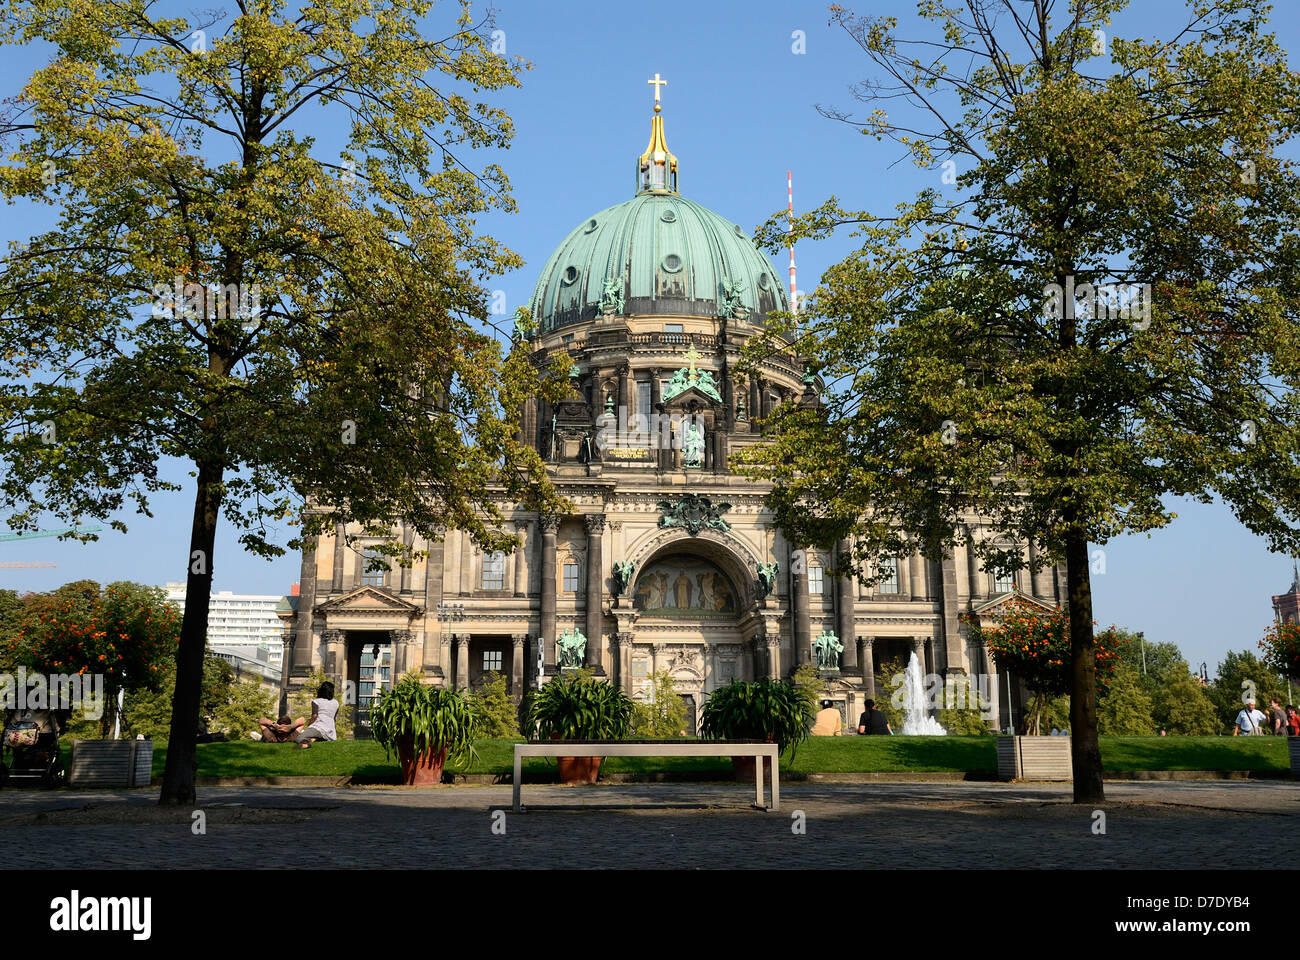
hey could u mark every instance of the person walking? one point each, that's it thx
(1292, 720)
(1248, 721)
(1278, 717)
(873, 721)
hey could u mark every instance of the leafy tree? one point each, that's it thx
(889, 678)
(663, 715)
(127, 634)
(246, 701)
(962, 721)
(1241, 675)
(1164, 661)
(224, 705)
(1183, 707)
(498, 717)
(305, 330)
(12, 612)
(1099, 316)
(1125, 708)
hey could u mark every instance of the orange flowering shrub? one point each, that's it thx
(1282, 648)
(1034, 644)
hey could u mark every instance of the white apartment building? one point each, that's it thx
(241, 625)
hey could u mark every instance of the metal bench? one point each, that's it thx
(656, 748)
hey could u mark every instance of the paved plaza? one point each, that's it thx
(1181, 825)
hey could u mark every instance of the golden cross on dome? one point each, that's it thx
(692, 355)
(657, 83)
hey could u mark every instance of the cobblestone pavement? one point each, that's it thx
(1179, 825)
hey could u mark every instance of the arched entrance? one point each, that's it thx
(693, 619)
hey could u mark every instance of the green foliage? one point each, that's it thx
(497, 714)
(246, 702)
(431, 718)
(963, 721)
(764, 709)
(1182, 707)
(1125, 708)
(663, 715)
(1055, 715)
(1281, 644)
(808, 681)
(1239, 674)
(226, 705)
(300, 703)
(577, 706)
(889, 682)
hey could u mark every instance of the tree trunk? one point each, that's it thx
(179, 771)
(1084, 748)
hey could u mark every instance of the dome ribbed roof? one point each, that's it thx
(673, 255)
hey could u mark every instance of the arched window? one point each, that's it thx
(1004, 581)
(816, 580)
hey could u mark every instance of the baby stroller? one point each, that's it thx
(29, 748)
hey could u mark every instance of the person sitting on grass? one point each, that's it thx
(321, 725)
(279, 731)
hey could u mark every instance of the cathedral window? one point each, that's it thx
(369, 577)
(1004, 581)
(673, 328)
(570, 578)
(643, 397)
(888, 582)
(491, 660)
(816, 582)
(494, 571)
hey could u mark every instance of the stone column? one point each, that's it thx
(845, 603)
(435, 661)
(333, 640)
(917, 570)
(339, 546)
(802, 626)
(517, 666)
(462, 660)
(952, 638)
(550, 527)
(400, 641)
(595, 582)
(1041, 579)
(445, 663)
(868, 666)
(521, 553)
(615, 655)
(405, 584)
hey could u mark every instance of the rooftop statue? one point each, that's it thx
(767, 573)
(611, 297)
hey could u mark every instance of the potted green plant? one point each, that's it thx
(427, 726)
(773, 711)
(580, 707)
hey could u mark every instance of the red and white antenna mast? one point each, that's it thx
(789, 186)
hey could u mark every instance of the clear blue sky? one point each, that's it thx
(740, 111)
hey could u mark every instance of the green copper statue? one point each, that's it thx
(570, 648)
(826, 651)
(767, 573)
(623, 573)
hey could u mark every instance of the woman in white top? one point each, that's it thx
(321, 726)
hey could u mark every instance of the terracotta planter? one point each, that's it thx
(579, 769)
(744, 768)
(422, 770)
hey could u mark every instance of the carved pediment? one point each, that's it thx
(691, 400)
(1003, 602)
(369, 599)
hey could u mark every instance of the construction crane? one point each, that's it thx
(49, 533)
(15, 564)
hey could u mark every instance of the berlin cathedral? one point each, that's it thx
(670, 562)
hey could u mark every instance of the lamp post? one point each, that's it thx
(1142, 641)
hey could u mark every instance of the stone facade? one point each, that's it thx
(641, 450)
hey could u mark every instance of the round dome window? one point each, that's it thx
(668, 216)
(672, 263)
(763, 281)
(741, 233)
(591, 225)
(570, 275)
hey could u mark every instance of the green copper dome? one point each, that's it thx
(665, 256)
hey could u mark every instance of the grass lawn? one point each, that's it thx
(364, 759)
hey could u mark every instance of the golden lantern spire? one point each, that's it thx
(656, 169)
